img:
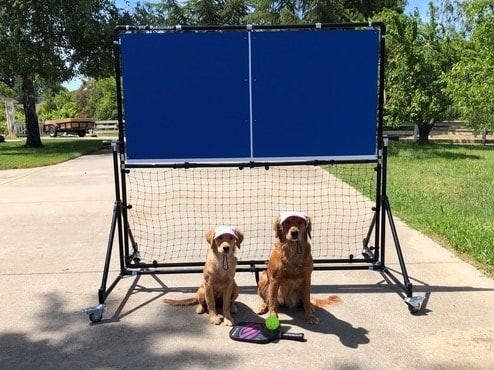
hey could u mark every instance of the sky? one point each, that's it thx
(422, 5)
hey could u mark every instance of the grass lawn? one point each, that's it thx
(13, 154)
(444, 190)
(447, 192)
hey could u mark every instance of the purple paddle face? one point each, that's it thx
(255, 332)
(252, 332)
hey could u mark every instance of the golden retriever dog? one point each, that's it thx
(218, 287)
(287, 281)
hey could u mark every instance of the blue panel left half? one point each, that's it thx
(186, 96)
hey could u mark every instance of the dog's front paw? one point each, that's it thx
(200, 309)
(312, 319)
(262, 309)
(214, 319)
(228, 321)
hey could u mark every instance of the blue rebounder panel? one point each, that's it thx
(247, 95)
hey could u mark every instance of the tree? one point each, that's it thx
(191, 12)
(61, 105)
(53, 41)
(470, 83)
(100, 98)
(94, 99)
(214, 12)
(312, 11)
(417, 56)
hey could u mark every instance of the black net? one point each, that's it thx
(173, 208)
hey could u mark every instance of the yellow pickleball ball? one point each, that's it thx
(272, 322)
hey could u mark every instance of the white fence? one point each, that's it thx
(449, 128)
(21, 131)
(111, 125)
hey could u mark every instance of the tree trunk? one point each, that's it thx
(424, 131)
(29, 103)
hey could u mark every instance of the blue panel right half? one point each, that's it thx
(315, 93)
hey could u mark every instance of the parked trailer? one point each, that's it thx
(81, 126)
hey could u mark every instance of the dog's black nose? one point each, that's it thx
(226, 249)
(294, 234)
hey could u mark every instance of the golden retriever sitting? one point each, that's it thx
(219, 286)
(287, 281)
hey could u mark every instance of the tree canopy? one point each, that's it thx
(418, 55)
(216, 12)
(53, 41)
(470, 81)
(93, 99)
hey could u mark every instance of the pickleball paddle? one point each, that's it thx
(255, 332)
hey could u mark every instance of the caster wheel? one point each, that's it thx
(414, 303)
(95, 317)
(413, 310)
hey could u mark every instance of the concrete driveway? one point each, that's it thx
(54, 227)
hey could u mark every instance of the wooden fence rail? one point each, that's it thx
(110, 125)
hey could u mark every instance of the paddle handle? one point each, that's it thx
(299, 337)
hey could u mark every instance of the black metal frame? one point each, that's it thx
(373, 257)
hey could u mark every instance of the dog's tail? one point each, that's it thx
(329, 301)
(181, 302)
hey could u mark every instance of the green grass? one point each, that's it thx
(447, 192)
(13, 154)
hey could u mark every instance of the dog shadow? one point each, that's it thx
(348, 335)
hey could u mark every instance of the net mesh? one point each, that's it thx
(171, 209)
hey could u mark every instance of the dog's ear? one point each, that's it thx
(308, 228)
(278, 231)
(210, 235)
(240, 237)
